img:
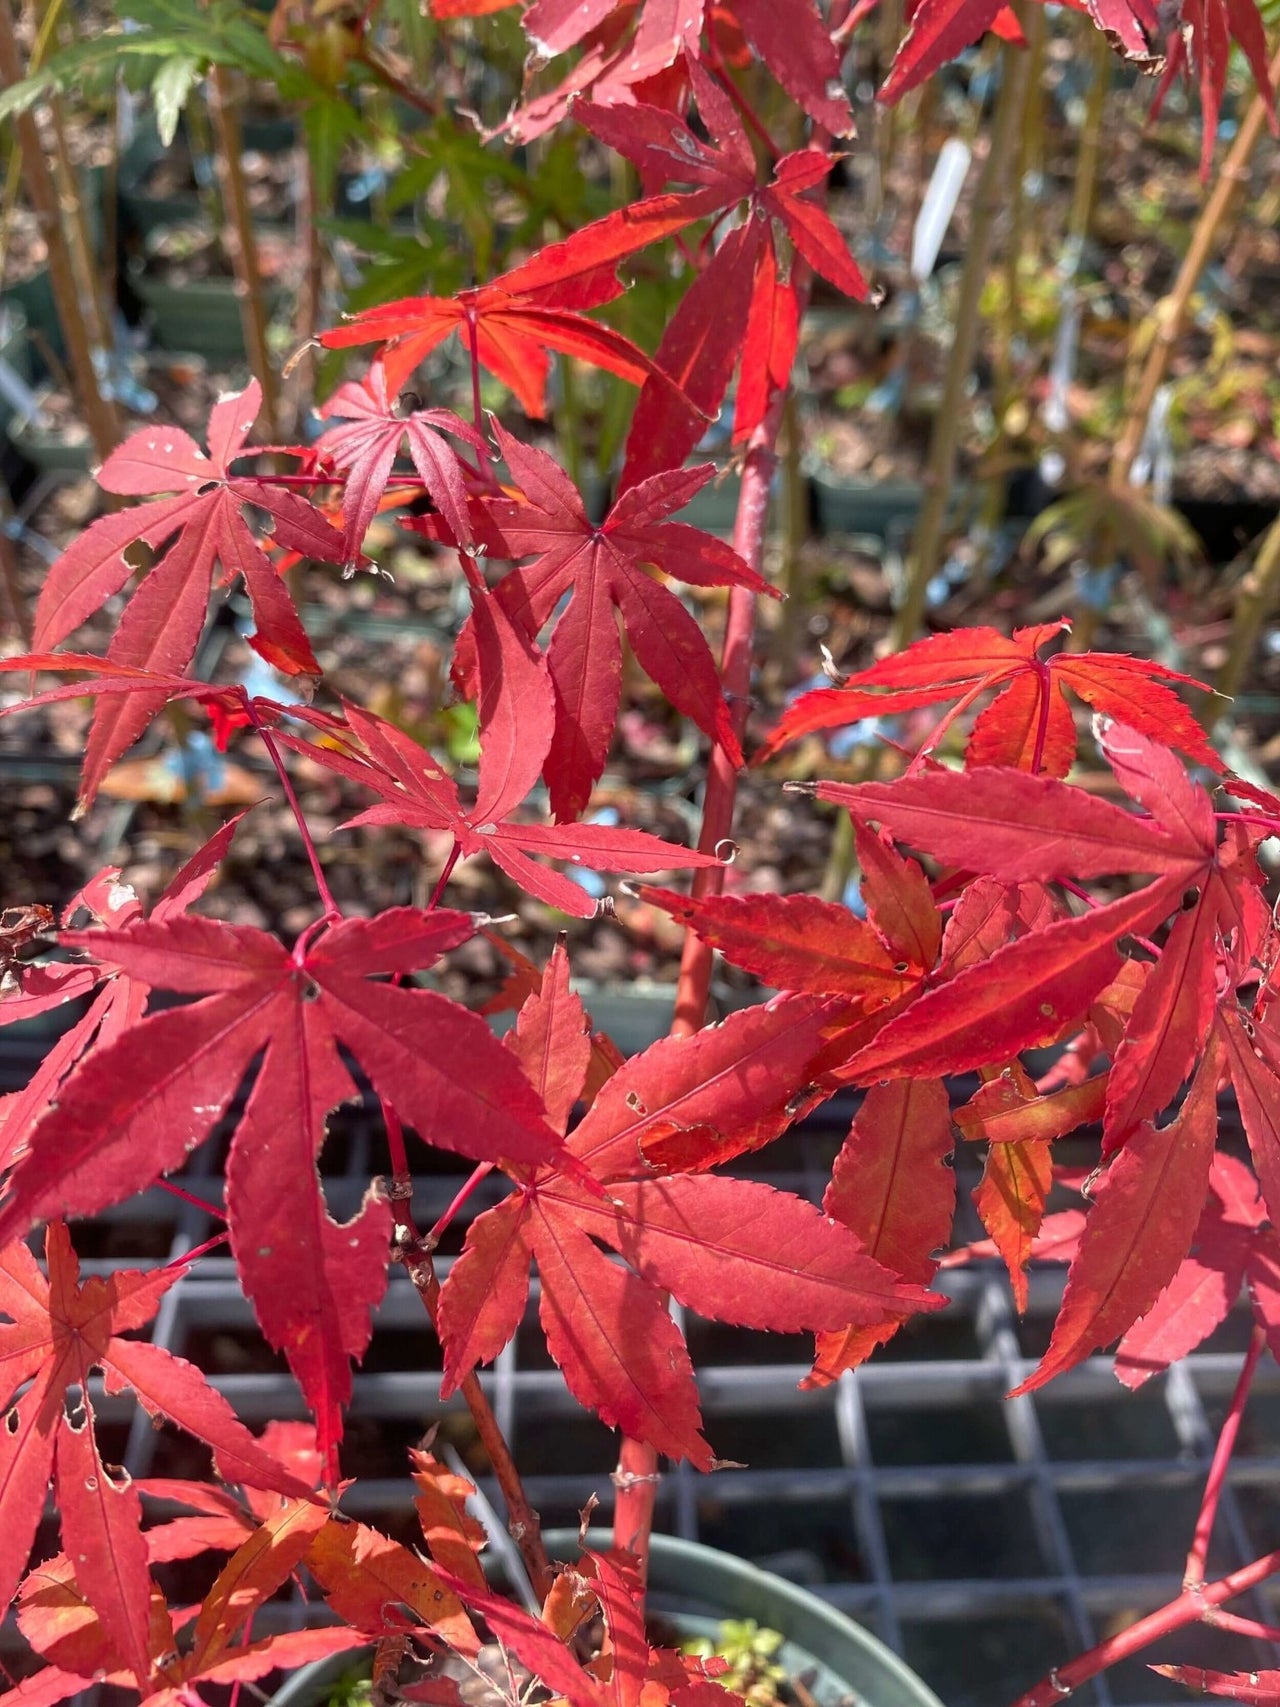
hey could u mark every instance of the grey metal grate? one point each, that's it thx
(986, 1540)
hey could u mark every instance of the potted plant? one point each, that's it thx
(1007, 909)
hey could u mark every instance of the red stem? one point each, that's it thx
(444, 876)
(1186, 1609)
(192, 1199)
(636, 1478)
(473, 346)
(197, 1251)
(331, 908)
(415, 1253)
(1193, 1575)
(1237, 1626)
(477, 1174)
(1042, 724)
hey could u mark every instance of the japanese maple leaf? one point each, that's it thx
(603, 569)
(137, 1107)
(225, 704)
(940, 30)
(1029, 723)
(796, 45)
(1197, 42)
(118, 1000)
(1198, 33)
(516, 721)
(869, 969)
(61, 1623)
(731, 1249)
(507, 326)
(364, 443)
(201, 530)
(742, 306)
(1021, 828)
(1139, 1230)
(1233, 1244)
(60, 1329)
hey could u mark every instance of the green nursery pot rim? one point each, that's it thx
(702, 1587)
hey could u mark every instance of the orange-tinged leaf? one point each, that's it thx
(795, 942)
(1139, 1230)
(899, 901)
(1025, 994)
(453, 1536)
(1008, 1109)
(380, 1587)
(253, 1573)
(1010, 1202)
(892, 1187)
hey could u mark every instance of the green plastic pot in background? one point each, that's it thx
(854, 504)
(200, 315)
(697, 1589)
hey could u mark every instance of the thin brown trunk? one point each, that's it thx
(100, 415)
(242, 248)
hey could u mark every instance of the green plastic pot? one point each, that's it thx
(202, 315)
(853, 504)
(697, 1589)
(50, 452)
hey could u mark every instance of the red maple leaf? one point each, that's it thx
(796, 47)
(365, 441)
(1029, 724)
(203, 531)
(118, 1000)
(59, 1329)
(138, 1106)
(516, 721)
(1199, 35)
(1198, 42)
(1139, 1230)
(1255, 1688)
(1233, 1243)
(741, 308)
(1021, 828)
(731, 1249)
(507, 326)
(603, 568)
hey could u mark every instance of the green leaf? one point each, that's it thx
(171, 85)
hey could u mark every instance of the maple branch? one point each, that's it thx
(392, 82)
(1171, 313)
(1192, 1605)
(1193, 1574)
(1237, 1626)
(331, 907)
(1255, 597)
(415, 1253)
(241, 245)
